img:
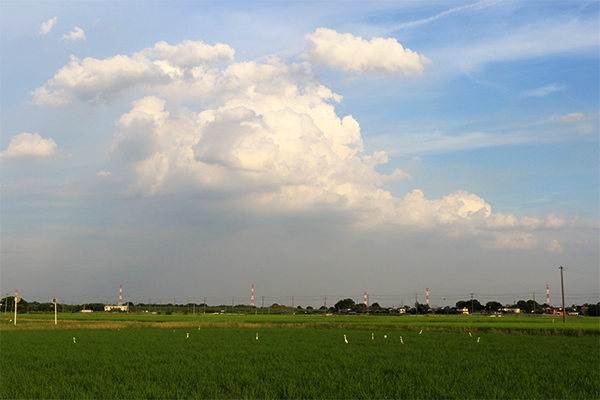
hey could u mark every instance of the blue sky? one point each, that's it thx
(192, 149)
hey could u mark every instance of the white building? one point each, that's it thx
(118, 308)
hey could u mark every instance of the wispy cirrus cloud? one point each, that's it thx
(544, 91)
(473, 6)
(538, 39)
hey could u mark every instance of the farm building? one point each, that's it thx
(115, 308)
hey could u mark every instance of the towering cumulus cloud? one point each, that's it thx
(267, 137)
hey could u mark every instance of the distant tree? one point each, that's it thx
(375, 306)
(9, 304)
(422, 308)
(299, 307)
(359, 308)
(529, 305)
(476, 305)
(492, 306)
(324, 308)
(344, 304)
(593, 309)
(309, 308)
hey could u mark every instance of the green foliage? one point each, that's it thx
(529, 305)
(294, 363)
(593, 310)
(473, 305)
(346, 304)
(492, 306)
(8, 303)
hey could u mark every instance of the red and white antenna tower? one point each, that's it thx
(120, 295)
(427, 291)
(365, 298)
(252, 297)
(548, 294)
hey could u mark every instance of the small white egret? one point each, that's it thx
(256, 335)
(372, 336)
(385, 336)
(345, 340)
(470, 334)
(188, 336)
(401, 341)
(478, 339)
(421, 331)
(73, 339)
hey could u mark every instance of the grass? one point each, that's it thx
(136, 357)
(525, 324)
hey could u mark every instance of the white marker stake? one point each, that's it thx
(54, 301)
(15, 301)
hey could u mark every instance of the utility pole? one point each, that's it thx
(204, 306)
(562, 286)
(416, 305)
(292, 303)
(263, 304)
(472, 303)
(232, 304)
(533, 303)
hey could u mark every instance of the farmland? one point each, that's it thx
(145, 356)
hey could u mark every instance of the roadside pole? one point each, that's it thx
(562, 286)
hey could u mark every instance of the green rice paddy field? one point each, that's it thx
(219, 356)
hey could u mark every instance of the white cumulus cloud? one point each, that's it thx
(354, 54)
(189, 54)
(76, 34)
(187, 67)
(265, 137)
(46, 27)
(30, 145)
(554, 247)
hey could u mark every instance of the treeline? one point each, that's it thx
(342, 306)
